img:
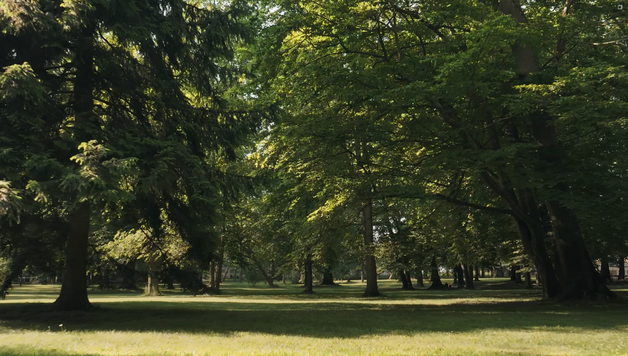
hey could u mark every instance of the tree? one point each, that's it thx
(136, 87)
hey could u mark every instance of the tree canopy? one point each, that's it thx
(317, 137)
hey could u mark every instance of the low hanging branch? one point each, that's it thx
(473, 205)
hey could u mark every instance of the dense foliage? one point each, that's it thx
(396, 135)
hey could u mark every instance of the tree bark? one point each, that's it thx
(212, 275)
(458, 276)
(403, 279)
(152, 284)
(328, 278)
(267, 278)
(309, 283)
(605, 269)
(74, 288)
(434, 277)
(369, 266)
(467, 271)
(622, 268)
(534, 246)
(73, 293)
(477, 273)
(579, 278)
(409, 279)
(419, 278)
(514, 276)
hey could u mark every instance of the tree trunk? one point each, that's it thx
(267, 278)
(458, 276)
(527, 284)
(434, 277)
(212, 275)
(513, 274)
(419, 278)
(622, 268)
(409, 280)
(73, 293)
(328, 279)
(533, 240)
(403, 279)
(74, 288)
(152, 285)
(370, 266)
(308, 276)
(482, 273)
(468, 276)
(579, 278)
(240, 274)
(477, 273)
(218, 276)
(605, 269)
(225, 274)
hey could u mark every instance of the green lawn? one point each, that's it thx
(335, 321)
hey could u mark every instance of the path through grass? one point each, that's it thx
(334, 321)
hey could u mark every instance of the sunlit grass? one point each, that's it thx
(335, 321)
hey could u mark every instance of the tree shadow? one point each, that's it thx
(318, 319)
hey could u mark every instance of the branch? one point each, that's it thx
(473, 205)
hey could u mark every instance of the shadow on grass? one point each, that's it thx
(321, 320)
(331, 312)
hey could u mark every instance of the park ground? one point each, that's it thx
(496, 319)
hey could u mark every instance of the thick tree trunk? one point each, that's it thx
(152, 283)
(434, 277)
(409, 279)
(309, 283)
(477, 274)
(578, 278)
(622, 268)
(328, 278)
(467, 271)
(534, 245)
(482, 273)
(74, 288)
(403, 279)
(369, 266)
(605, 270)
(458, 276)
(514, 275)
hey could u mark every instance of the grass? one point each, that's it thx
(335, 321)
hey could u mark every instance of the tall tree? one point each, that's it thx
(136, 86)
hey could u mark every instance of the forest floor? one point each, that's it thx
(247, 320)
